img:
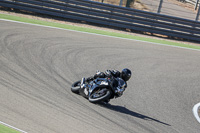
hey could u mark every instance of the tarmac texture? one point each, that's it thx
(39, 64)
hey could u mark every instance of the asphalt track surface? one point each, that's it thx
(38, 66)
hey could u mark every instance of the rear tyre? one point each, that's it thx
(76, 87)
(100, 95)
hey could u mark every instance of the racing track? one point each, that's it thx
(38, 66)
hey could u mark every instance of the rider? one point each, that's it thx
(124, 75)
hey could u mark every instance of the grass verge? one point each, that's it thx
(101, 32)
(5, 129)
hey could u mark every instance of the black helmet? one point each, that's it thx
(126, 74)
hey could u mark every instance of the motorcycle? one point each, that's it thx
(99, 89)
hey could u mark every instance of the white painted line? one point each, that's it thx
(99, 34)
(196, 110)
(12, 127)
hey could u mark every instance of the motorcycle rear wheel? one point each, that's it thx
(100, 95)
(76, 87)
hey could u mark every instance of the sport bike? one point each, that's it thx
(99, 89)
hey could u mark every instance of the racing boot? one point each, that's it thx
(82, 83)
(84, 87)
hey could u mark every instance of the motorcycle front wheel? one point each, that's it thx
(100, 95)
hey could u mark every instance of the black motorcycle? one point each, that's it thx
(99, 89)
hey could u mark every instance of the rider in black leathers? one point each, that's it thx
(124, 75)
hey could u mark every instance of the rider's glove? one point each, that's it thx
(119, 91)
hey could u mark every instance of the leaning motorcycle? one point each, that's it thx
(99, 89)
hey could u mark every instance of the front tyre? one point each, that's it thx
(100, 95)
(76, 87)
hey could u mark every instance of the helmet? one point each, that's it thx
(126, 74)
